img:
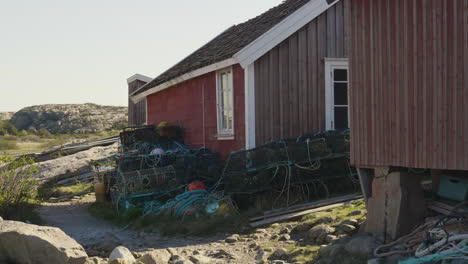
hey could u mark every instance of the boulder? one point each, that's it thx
(319, 233)
(72, 165)
(156, 257)
(325, 220)
(355, 213)
(232, 239)
(96, 260)
(352, 222)
(303, 227)
(347, 228)
(261, 255)
(121, 255)
(278, 254)
(199, 259)
(362, 245)
(23, 243)
(332, 250)
(330, 238)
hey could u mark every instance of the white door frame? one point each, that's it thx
(330, 65)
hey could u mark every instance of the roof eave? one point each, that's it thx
(282, 31)
(182, 78)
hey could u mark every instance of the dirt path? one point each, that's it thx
(100, 237)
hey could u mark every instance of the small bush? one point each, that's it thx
(44, 133)
(6, 128)
(17, 185)
(23, 133)
(7, 144)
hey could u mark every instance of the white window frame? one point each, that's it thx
(224, 134)
(330, 65)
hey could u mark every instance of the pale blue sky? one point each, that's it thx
(78, 51)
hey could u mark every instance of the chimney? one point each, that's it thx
(136, 111)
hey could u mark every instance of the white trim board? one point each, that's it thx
(330, 64)
(198, 72)
(281, 31)
(139, 77)
(249, 97)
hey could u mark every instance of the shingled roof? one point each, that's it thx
(228, 43)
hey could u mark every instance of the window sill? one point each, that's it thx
(225, 137)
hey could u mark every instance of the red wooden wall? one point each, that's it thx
(409, 83)
(192, 104)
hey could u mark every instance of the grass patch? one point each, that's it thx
(6, 144)
(20, 144)
(49, 190)
(302, 254)
(171, 226)
(340, 214)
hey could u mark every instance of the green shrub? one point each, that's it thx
(17, 185)
(7, 128)
(44, 133)
(23, 133)
(7, 144)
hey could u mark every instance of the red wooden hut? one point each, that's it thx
(409, 94)
(262, 80)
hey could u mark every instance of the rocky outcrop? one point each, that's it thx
(72, 165)
(6, 115)
(27, 244)
(68, 118)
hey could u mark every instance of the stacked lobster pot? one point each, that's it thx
(153, 164)
(293, 171)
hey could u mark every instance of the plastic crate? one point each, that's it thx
(453, 188)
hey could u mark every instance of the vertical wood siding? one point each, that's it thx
(136, 112)
(192, 105)
(409, 83)
(290, 80)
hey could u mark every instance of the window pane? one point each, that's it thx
(341, 93)
(341, 117)
(225, 101)
(340, 75)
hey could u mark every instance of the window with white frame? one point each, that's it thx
(336, 93)
(225, 103)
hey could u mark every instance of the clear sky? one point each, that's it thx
(78, 51)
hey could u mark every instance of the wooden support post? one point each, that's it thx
(365, 179)
(397, 204)
(435, 175)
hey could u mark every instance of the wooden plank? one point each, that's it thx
(314, 111)
(331, 32)
(339, 29)
(302, 83)
(465, 83)
(276, 94)
(258, 102)
(284, 91)
(347, 27)
(459, 131)
(271, 100)
(293, 86)
(322, 53)
(293, 215)
(306, 206)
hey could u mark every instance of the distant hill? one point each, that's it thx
(6, 115)
(70, 118)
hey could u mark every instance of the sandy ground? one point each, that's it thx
(74, 219)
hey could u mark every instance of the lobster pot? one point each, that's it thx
(145, 181)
